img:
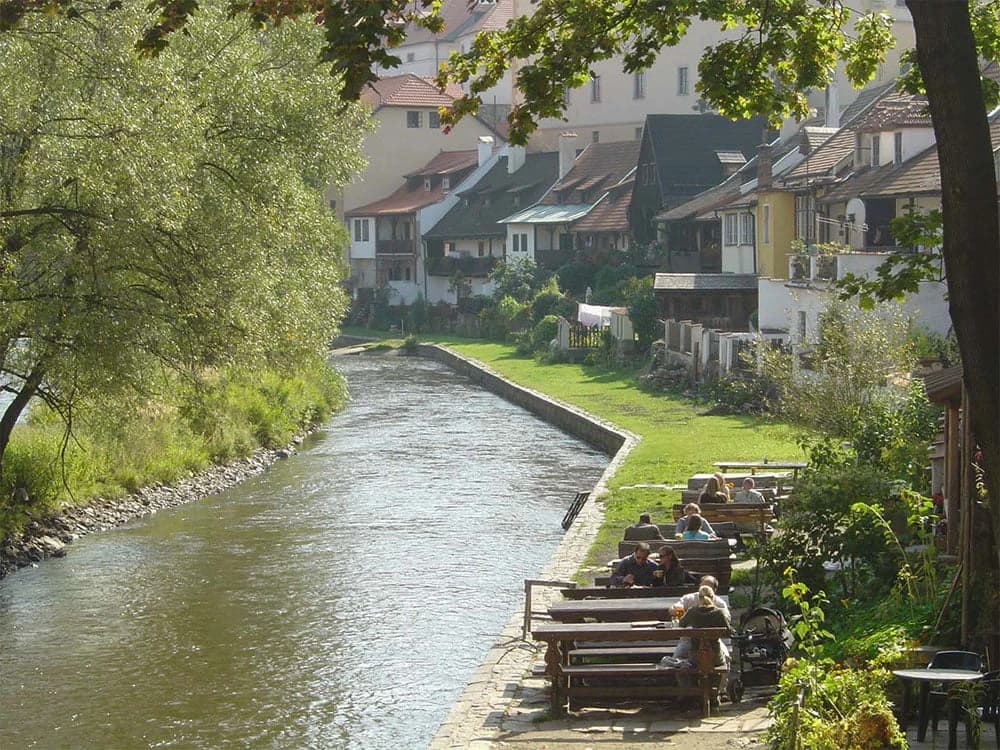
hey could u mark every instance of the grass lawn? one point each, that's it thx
(677, 439)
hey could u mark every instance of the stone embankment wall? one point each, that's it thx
(600, 435)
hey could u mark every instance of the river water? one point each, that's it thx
(342, 600)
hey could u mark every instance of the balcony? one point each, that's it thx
(469, 266)
(396, 247)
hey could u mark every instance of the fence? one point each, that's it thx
(707, 353)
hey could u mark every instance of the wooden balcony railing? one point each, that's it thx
(396, 247)
(448, 265)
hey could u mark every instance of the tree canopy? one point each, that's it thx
(167, 213)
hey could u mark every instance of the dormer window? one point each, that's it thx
(446, 183)
(897, 148)
(427, 183)
(875, 149)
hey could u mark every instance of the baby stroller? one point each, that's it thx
(759, 650)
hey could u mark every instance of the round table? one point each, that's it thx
(924, 678)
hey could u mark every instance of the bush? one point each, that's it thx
(550, 301)
(575, 277)
(539, 337)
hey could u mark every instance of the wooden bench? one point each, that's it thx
(755, 516)
(720, 568)
(603, 592)
(685, 550)
(616, 678)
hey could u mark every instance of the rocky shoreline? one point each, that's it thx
(49, 536)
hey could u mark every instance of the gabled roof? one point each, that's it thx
(825, 158)
(918, 175)
(611, 212)
(411, 195)
(461, 19)
(863, 101)
(895, 110)
(481, 219)
(685, 146)
(704, 281)
(408, 90)
(944, 385)
(600, 165)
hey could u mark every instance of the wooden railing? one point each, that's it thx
(396, 247)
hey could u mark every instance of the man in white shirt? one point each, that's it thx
(690, 601)
(748, 494)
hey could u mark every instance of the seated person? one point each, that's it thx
(693, 532)
(692, 601)
(644, 530)
(707, 615)
(636, 569)
(723, 486)
(693, 509)
(669, 572)
(712, 494)
(748, 494)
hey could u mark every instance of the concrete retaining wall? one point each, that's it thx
(600, 435)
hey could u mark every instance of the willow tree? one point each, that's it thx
(163, 213)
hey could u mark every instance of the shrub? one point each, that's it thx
(550, 301)
(575, 277)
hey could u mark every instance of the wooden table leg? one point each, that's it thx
(904, 711)
(553, 668)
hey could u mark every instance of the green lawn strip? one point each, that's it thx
(677, 440)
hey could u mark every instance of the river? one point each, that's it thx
(342, 600)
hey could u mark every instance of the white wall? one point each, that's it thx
(361, 250)
(527, 230)
(738, 259)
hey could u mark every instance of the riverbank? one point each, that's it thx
(49, 535)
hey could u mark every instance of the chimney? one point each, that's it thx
(764, 173)
(515, 158)
(832, 106)
(485, 148)
(567, 153)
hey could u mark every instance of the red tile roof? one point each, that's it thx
(894, 111)
(610, 214)
(610, 162)
(412, 195)
(408, 90)
(461, 19)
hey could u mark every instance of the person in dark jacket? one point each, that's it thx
(636, 569)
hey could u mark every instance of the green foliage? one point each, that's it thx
(610, 283)
(419, 314)
(821, 705)
(575, 277)
(506, 317)
(537, 340)
(518, 279)
(932, 345)
(841, 709)
(549, 301)
(643, 310)
(168, 213)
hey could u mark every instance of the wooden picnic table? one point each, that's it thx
(612, 610)
(765, 463)
(633, 592)
(561, 637)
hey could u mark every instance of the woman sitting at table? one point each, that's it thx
(712, 493)
(669, 572)
(694, 532)
(707, 615)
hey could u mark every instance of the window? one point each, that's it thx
(406, 230)
(524, 242)
(639, 85)
(410, 57)
(765, 230)
(446, 183)
(731, 227)
(407, 273)
(333, 205)
(875, 148)
(595, 136)
(364, 230)
(434, 119)
(802, 325)
(638, 134)
(516, 243)
(482, 248)
(805, 218)
(414, 119)
(897, 148)
(746, 229)
(357, 230)
(683, 88)
(566, 98)
(595, 89)
(427, 183)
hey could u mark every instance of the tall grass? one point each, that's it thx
(119, 445)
